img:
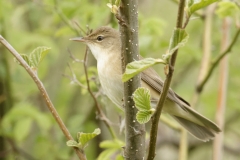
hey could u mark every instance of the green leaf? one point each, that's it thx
(136, 67)
(43, 121)
(194, 5)
(227, 9)
(37, 55)
(112, 147)
(190, 3)
(112, 144)
(63, 31)
(83, 138)
(18, 114)
(142, 101)
(72, 143)
(144, 116)
(119, 157)
(107, 154)
(141, 97)
(179, 39)
(25, 57)
(22, 128)
(114, 8)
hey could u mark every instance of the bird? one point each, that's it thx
(105, 45)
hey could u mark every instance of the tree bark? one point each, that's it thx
(135, 132)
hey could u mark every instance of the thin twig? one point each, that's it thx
(198, 14)
(186, 22)
(76, 23)
(79, 152)
(167, 82)
(63, 17)
(74, 79)
(217, 60)
(99, 110)
(74, 58)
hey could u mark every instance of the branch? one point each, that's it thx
(198, 14)
(65, 19)
(73, 78)
(80, 153)
(217, 60)
(206, 50)
(134, 132)
(183, 148)
(222, 94)
(166, 85)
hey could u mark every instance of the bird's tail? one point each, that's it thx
(201, 127)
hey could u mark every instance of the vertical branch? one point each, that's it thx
(166, 85)
(207, 39)
(135, 132)
(183, 148)
(222, 94)
(207, 42)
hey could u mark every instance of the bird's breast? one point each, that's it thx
(110, 79)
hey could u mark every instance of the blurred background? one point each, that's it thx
(27, 128)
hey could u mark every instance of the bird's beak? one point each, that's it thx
(79, 39)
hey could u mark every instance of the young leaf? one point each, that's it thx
(37, 55)
(119, 157)
(22, 128)
(114, 8)
(136, 67)
(227, 8)
(83, 138)
(72, 143)
(144, 116)
(178, 39)
(195, 5)
(142, 101)
(112, 148)
(141, 97)
(112, 144)
(25, 57)
(107, 154)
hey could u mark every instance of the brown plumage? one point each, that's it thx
(105, 45)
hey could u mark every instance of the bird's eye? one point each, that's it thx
(100, 38)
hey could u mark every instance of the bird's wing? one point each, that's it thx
(150, 77)
(195, 123)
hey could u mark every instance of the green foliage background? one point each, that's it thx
(25, 122)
